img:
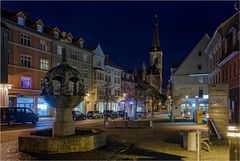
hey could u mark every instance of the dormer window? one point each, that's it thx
(39, 28)
(56, 35)
(21, 21)
(69, 39)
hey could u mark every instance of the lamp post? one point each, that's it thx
(124, 105)
(234, 142)
(186, 110)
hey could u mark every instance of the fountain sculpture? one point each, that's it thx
(63, 89)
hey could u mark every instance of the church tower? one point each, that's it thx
(156, 56)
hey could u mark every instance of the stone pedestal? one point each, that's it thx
(63, 124)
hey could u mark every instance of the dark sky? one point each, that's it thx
(124, 29)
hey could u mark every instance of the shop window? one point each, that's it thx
(26, 61)
(25, 39)
(26, 82)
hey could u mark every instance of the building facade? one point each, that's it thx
(29, 58)
(223, 60)
(113, 93)
(190, 82)
(78, 57)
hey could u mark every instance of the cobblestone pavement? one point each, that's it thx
(162, 142)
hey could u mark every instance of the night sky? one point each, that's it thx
(125, 29)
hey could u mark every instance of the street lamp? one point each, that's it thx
(124, 105)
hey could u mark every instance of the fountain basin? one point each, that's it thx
(42, 141)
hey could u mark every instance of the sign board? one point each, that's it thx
(220, 101)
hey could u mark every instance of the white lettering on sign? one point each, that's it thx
(220, 101)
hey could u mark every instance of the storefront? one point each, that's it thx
(36, 104)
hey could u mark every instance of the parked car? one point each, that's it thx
(76, 115)
(121, 113)
(140, 114)
(109, 113)
(13, 115)
(94, 114)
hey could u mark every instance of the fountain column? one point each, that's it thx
(63, 124)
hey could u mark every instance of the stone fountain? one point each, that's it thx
(63, 89)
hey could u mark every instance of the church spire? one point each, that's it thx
(155, 42)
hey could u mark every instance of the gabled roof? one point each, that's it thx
(69, 35)
(39, 22)
(56, 29)
(98, 51)
(21, 14)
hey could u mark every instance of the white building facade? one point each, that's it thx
(190, 82)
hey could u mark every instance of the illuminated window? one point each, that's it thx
(39, 28)
(59, 50)
(43, 45)
(26, 82)
(25, 39)
(21, 21)
(200, 80)
(26, 61)
(44, 64)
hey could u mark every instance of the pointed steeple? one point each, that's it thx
(155, 42)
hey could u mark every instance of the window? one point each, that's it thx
(106, 78)
(73, 54)
(234, 70)
(56, 35)
(85, 58)
(85, 73)
(43, 46)
(21, 21)
(234, 36)
(109, 79)
(44, 64)
(99, 63)
(39, 28)
(200, 80)
(115, 80)
(199, 67)
(225, 45)
(59, 50)
(41, 83)
(26, 82)
(200, 53)
(200, 93)
(25, 39)
(26, 61)
(118, 80)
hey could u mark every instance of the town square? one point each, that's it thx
(120, 80)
